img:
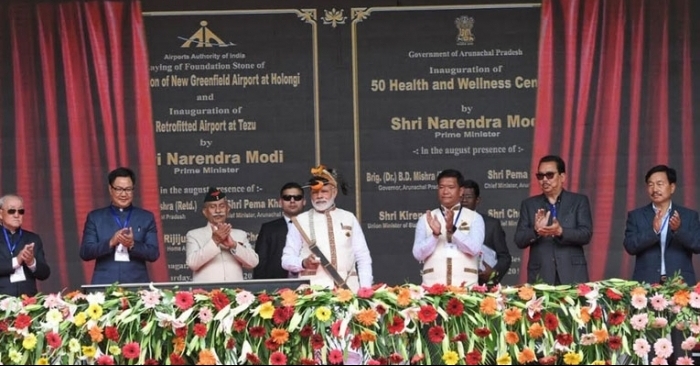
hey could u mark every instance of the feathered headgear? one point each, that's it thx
(322, 176)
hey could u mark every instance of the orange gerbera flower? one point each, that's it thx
(178, 345)
(457, 289)
(488, 305)
(404, 297)
(601, 335)
(368, 336)
(526, 293)
(367, 317)
(639, 290)
(289, 298)
(585, 315)
(681, 298)
(512, 338)
(96, 334)
(206, 357)
(526, 356)
(343, 295)
(279, 336)
(536, 331)
(512, 315)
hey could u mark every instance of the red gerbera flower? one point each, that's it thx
(616, 317)
(282, 314)
(184, 300)
(417, 358)
(427, 314)
(307, 361)
(176, 359)
(535, 317)
(22, 321)
(53, 340)
(230, 343)
(395, 358)
(548, 360)
(317, 341)
(239, 325)
(436, 289)
(335, 357)
(271, 344)
(356, 342)
(256, 332)
(613, 295)
(597, 313)
(454, 307)
(219, 299)
(614, 342)
(263, 298)
(28, 300)
(584, 289)
(380, 309)
(105, 360)
(396, 325)
(473, 358)
(551, 322)
(278, 358)
(112, 333)
(482, 332)
(565, 339)
(131, 350)
(253, 359)
(181, 332)
(150, 361)
(461, 337)
(365, 293)
(335, 328)
(200, 330)
(3, 326)
(436, 334)
(306, 331)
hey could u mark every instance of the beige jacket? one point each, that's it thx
(210, 262)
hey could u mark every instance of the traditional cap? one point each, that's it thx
(214, 194)
(322, 176)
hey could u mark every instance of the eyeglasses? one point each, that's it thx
(549, 175)
(13, 211)
(296, 197)
(128, 190)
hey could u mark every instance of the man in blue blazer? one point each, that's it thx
(555, 225)
(662, 235)
(273, 234)
(121, 238)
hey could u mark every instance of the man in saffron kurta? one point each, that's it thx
(336, 232)
(448, 239)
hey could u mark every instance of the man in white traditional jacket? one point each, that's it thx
(448, 239)
(335, 232)
(217, 252)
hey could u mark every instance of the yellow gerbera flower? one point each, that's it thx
(115, 350)
(504, 359)
(42, 361)
(267, 310)
(450, 358)
(323, 313)
(79, 319)
(89, 351)
(573, 358)
(29, 341)
(94, 311)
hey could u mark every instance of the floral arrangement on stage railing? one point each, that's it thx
(606, 322)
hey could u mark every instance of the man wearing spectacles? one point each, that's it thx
(217, 252)
(273, 234)
(120, 238)
(555, 225)
(23, 252)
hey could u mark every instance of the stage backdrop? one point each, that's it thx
(247, 96)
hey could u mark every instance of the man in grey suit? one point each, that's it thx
(555, 225)
(663, 236)
(494, 236)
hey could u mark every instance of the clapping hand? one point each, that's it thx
(675, 221)
(433, 222)
(26, 255)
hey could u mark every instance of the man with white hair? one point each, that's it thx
(326, 244)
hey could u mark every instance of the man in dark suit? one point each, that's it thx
(273, 234)
(494, 237)
(121, 238)
(23, 252)
(555, 225)
(663, 236)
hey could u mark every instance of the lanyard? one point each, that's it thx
(456, 218)
(10, 245)
(116, 217)
(553, 210)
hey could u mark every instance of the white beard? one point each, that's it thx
(323, 206)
